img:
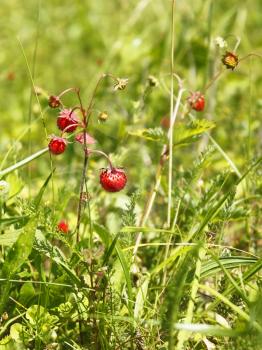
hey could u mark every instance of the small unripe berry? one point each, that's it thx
(197, 101)
(57, 145)
(67, 120)
(103, 116)
(152, 81)
(165, 122)
(54, 102)
(113, 180)
(63, 226)
(230, 60)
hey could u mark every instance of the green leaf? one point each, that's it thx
(14, 220)
(206, 329)
(20, 251)
(27, 292)
(107, 237)
(212, 267)
(8, 239)
(156, 134)
(110, 250)
(188, 133)
(16, 257)
(141, 298)
(103, 233)
(16, 332)
(16, 184)
(183, 133)
(213, 211)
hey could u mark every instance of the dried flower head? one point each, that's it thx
(54, 102)
(120, 84)
(230, 60)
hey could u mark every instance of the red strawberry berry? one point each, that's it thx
(54, 102)
(67, 120)
(197, 101)
(63, 226)
(113, 180)
(57, 145)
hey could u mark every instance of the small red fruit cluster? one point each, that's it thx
(112, 179)
(67, 122)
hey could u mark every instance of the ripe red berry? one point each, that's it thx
(54, 102)
(57, 145)
(197, 101)
(113, 180)
(63, 226)
(67, 120)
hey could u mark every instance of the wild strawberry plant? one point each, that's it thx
(164, 252)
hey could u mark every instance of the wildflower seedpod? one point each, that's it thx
(103, 116)
(54, 102)
(152, 81)
(230, 60)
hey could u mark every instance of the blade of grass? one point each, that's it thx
(23, 162)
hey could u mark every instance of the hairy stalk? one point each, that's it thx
(33, 85)
(89, 108)
(31, 95)
(79, 209)
(169, 243)
(171, 111)
(86, 117)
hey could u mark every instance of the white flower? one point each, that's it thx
(219, 41)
